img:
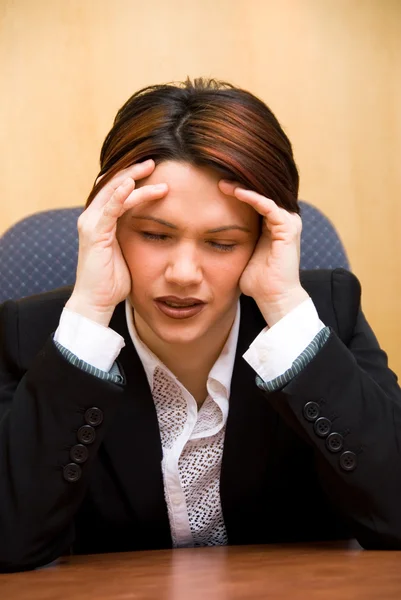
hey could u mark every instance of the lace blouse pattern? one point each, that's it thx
(192, 444)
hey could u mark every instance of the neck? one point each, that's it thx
(190, 362)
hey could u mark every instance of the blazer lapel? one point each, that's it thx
(133, 443)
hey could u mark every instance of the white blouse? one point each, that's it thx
(192, 442)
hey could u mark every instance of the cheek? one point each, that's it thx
(227, 270)
(144, 263)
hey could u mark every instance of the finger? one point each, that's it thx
(264, 206)
(144, 194)
(113, 209)
(121, 202)
(228, 187)
(136, 172)
(104, 219)
(275, 215)
(261, 204)
(281, 223)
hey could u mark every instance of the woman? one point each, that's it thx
(152, 406)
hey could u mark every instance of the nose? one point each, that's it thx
(183, 267)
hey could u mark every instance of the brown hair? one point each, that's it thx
(204, 123)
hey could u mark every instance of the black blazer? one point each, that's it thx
(280, 480)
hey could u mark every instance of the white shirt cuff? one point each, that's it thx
(95, 344)
(275, 349)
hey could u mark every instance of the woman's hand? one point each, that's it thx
(103, 279)
(271, 276)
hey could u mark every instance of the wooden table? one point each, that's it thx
(319, 572)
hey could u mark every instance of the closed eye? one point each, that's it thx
(222, 247)
(160, 237)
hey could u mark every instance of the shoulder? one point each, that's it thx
(339, 285)
(26, 324)
(330, 280)
(336, 294)
(40, 306)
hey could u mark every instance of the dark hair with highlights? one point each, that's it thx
(206, 123)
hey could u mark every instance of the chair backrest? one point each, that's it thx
(321, 246)
(39, 253)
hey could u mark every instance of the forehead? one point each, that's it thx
(193, 198)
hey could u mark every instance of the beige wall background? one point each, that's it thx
(329, 69)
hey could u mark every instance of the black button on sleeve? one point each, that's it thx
(322, 427)
(72, 472)
(348, 461)
(86, 434)
(79, 453)
(94, 416)
(311, 411)
(335, 442)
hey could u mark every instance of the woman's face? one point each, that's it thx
(186, 253)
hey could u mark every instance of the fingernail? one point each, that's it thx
(159, 187)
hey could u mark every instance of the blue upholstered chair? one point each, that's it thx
(39, 253)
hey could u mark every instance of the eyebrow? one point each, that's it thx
(215, 230)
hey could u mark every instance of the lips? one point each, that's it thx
(179, 302)
(179, 308)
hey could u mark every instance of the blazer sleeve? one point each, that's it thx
(42, 410)
(347, 404)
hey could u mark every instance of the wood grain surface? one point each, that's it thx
(321, 572)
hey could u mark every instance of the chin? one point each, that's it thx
(184, 334)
